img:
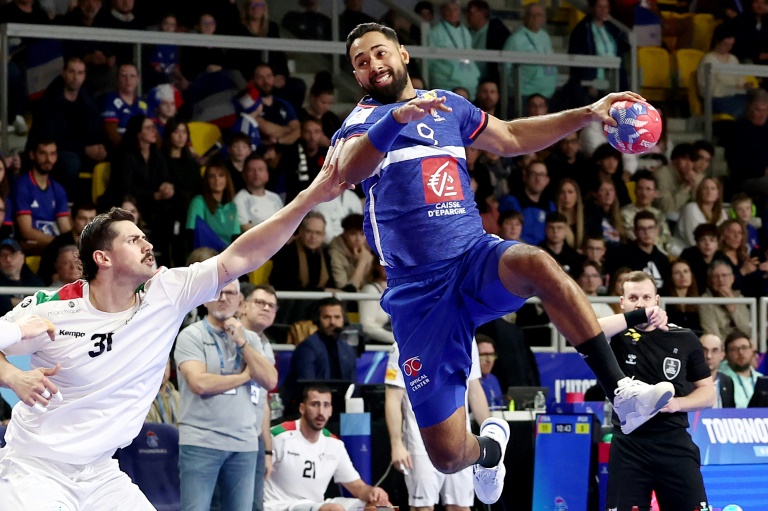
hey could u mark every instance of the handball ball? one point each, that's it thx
(639, 126)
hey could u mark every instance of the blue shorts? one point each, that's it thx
(434, 317)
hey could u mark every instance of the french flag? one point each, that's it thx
(45, 59)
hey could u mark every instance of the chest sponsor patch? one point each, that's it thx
(440, 177)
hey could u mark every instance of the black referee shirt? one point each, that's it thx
(675, 356)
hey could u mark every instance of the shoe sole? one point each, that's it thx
(661, 403)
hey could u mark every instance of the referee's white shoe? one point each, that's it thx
(636, 402)
(489, 482)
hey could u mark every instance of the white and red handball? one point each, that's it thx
(639, 126)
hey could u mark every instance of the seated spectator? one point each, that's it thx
(683, 285)
(642, 253)
(425, 10)
(82, 213)
(707, 209)
(703, 253)
(728, 91)
(256, 22)
(351, 259)
(408, 32)
(487, 97)
(238, 149)
(323, 355)
(352, 16)
(452, 33)
(122, 105)
(164, 58)
(336, 210)
(744, 210)
(183, 165)
(718, 319)
(536, 104)
(645, 193)
(677, 184)
(591, 137)
(568, 202)
(511, 225)
(566, 160)
(751, 29)
(733, 244)
(532, 37)
(39, 202)
(163, 103)
(746, 151)
(461, 91)
(165, 407)
(321, 98)
(277, 119)
(739, 352)
(487, 353)
(554, 244)
(255, 203)
(98, 57)
(530, 202)
(603, 216)
(120, 16)
(590, 279)
(68, 114)
(309, 23)
(14, 273)
(617, 287)
(67, 266)
(198, 61)
(300, 163)
(606, 166)
(594, 248)
(487, 34)
(212, 216)
(303, 264)
(6, 211)
(488, 207)
(375, 322)
(705, 151)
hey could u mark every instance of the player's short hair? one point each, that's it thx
(364, 28)
(99, 235)
(317, 387)
(639, 276)
(735, 335)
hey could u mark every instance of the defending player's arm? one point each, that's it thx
(703, 396)
(29, 386)
(254, 247)
(393, 413)
(367, 493)
(655, 317)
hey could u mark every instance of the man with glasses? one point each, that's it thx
(223, 371)
(714, 353)
(643, 254)
(487, 353)
(719, 319)
(739, 351)
(531, 202)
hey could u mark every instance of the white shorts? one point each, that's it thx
(34, 484)
(427, 486)
(307, 505)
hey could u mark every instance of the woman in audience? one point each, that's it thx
(321, 98)
(728, 91)
(603, 217)
(617, 280)
(255, 22)
(568, 202)
(606, 165)
(707, 208)
(6, 230)
(376, 323)
(733, 243)
(683, 285)
(198, 60)
(212, 215)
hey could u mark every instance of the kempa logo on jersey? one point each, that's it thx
(72, 333)
(737, 431)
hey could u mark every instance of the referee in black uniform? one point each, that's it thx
(660, 454)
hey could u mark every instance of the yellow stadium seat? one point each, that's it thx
(574, 18)
(687, 61)
(631, 190)
(655, 66)
(33, 262)
(703, 28)
(694, 100)
(261, 274)
(100, 180)
(203, 135)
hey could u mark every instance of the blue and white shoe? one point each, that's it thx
(637, 402)
(489, 482)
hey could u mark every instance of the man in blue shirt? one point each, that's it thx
(487, 352)
(446, 275)
(121, 105)
(278, 122)
(40, 203)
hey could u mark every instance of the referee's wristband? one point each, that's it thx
(636, 317)
(267, 452)
(384, 132)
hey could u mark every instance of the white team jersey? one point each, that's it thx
(301, 470)
(111, 363)
(394, 376)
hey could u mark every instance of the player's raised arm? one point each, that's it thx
(259, 243)
(531, 134)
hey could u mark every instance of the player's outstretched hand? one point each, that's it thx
(601, 108)
(657, 317)
(32, 326)
(417, 108)
(328, 184)
(34, 388)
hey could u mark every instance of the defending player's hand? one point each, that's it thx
(401, 458)
(600, 109)
(328, 184)
(32, 326)
(34, 389)
(416, 109)
(672, 406)
(657, 317)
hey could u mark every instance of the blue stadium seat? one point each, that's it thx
(2, 436)
(152, 462)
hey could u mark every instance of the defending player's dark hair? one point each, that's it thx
(98, 235)
(364, 28)
(319, 388)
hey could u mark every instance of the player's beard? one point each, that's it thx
(391, 92)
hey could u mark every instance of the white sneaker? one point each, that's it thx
(636, 402)
(489, 482)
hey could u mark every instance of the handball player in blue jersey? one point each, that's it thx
(446, 275)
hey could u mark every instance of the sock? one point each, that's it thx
(597, 353)
(490, 452)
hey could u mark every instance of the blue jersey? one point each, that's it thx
(420, 208)
(45, 206)
(118, 111)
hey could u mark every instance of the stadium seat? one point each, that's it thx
(33, 262)
(261, 274)
(2, 435)
(655, 66)
(152, 463)
(300, 330)
(703, 28)
(694, 100)
(686, 61)
(100, 180)
(203, 135)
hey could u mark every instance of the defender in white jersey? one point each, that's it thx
(426, 485)
(306, 456)
(114, 331)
